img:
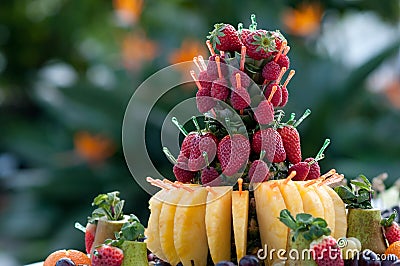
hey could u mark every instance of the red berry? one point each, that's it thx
(270, 141)
(285, 96)
(220, 89)
(225, 38)
(209, 175)
(181, 170)
(89, 236)
(392, 229)
(315, 170)
(245, 80)
(291, 143)
(187, 146)
(283, 61)
(260, 44)
(204, 80)
(258, 171)
(264, 113)
(243, 34)
(326, 252)
(279, 39)
(302, 169)
(204, 143)
(204, 100)
(212, 69)
(106, 255)
(271, 71)
(277, 97)
(240, 98)
(233, 152)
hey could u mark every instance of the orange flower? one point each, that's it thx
(303, 21)
(128, 11)
(93, 148)
(189, 49)
(392, 92)
(137, 49)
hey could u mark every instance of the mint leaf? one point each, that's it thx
(109, 206)
(287, 219)
(304, 218)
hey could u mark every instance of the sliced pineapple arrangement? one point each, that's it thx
(240, 211)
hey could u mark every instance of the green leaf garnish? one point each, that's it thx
(359, 196)
(109, 206)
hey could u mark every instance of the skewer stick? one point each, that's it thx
(242, 57)
(238, 81)
(240, 184)
(181, 185)
(196, 62)
(274, 88)
(290, 76)
(283, 46)
(286, 51)
(329, 173)
(273, 185)
(283, 70)
(157, 183)
(209, 189)
(312, 182)
(201, 60)
(292, 174)
(218, 62)
(166, 181)
(193, 74)
(210, 48)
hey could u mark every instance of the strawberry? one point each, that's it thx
(277, 98)
(260, 44)
(224, 37)
(202, 143)
(291, 143)
(208, 175)
(326, 252)
(204, 100)
(245, 80)
(302, 169)
(279, 39)
(240, 97)
(212, 69)
(285, 96)
(270, 141)
(392, 229)
(243, 34)
(204, 80)
(106, 255)
(315, 170)
(271, 71)
(187, 146)
(264, 113)
(258, 171)
(283, 61)
(90, 232)
(233, 152)
(220, 89)
(181, 170)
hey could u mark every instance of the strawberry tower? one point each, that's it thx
(235, 174)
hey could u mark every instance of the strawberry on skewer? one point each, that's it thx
(244, 78)
(219, 88)
(264, 113)
(272, 69)
(204, 100)
(285, 92)
(180, 168)
(277, 99)
(240, 98)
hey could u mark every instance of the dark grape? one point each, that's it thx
(351, 262)
(389, 260)
(65, 262)
(397, 263)
(225, 263)
(162, 263)
(249, 260)
(369, 258)
(151, 257)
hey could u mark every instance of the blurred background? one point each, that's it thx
(68, 69)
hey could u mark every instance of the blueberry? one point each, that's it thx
(65, 262)
(225, 263)
(369, 258)
(389, 260)
(249, 260)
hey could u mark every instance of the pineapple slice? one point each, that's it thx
(218, 223)
(152, 233)
(269, 203)
(329, 208)
(166, 225)
(291, 196)
(240, 214)
(340, 213)
(190, 237)
(311, 202)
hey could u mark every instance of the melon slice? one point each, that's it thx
(269, 203)
(340, 213)
(218, 223)
(152, 230)
(190, 238)
(166, 225)
(240, 215)
(311, 202)
(329, 208)
(291, 196)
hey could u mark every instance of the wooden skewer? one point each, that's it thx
(181, 185)
(202, 62)
(166, 181)
(196, 62)
(157, 183)
(283, 46)
(240, 184)
(210, 48)
(193, 74)
(274, 88)
(329, 173)
(290, 76)
(209, 189)
(292, 174)
(242, 57)
(286, 51)
(312, 182)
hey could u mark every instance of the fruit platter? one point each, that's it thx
(244, 193)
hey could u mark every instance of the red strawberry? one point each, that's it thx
(233, 152)
(204, 143)
(326, 252)
(285, 96)
(264, 113)
(209, 175)
(283, 61)
(258, 171)
(187, 146)
(315, 170)
(212, 69)
(270, 141)
(90, 233)
(277, 97)
(240, 97)
(245, 80)
(224, 37)
(181, 170)
(271, 71)
(220, 89)
(204, 100)
(106, 255)
(302, 169)
(392, 229)
(279, 39)
(260, 44)
(291, 143)
(243, 34)
(204, 80)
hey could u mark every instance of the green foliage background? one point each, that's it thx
(43, 191)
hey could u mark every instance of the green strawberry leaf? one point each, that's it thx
(287, 219)
(109, 206)
(304, 218)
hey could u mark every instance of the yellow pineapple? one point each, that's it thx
(327, 203)
(269, 203)
(166, 225)
(218, 223)
(240, 214)
(190, 237)
(340, 213)
(152, 231)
